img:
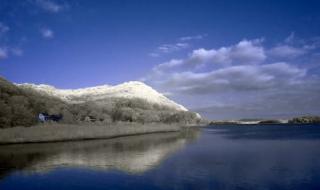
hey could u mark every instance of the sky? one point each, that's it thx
(224, 59)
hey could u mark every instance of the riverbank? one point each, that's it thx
(64, 132)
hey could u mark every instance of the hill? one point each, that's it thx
(129, 102)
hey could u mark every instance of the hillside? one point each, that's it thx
(128, 90)
(20, 107)
(128, 102)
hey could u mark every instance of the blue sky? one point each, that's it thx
(225, 59)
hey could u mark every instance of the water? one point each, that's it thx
(224, 157)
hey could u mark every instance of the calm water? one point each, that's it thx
(225, 157)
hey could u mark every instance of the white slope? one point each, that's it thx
(133, 89)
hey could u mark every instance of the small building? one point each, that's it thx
(90, 119)
(43, 117)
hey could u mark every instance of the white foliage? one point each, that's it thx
(132, 89)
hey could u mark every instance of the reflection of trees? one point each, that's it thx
(130, 154)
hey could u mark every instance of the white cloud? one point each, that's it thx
(49, 5)
(154, 54)
(248, 51)
(3, 53)
(245, 51)
(290, 38)
(286, 51)
(182, 45)
(293, 47)
(16, 51)
(174, 47)
(244, 76)
(235, 78)
(168, 48)
(6, 52)
(221, 55)
(168, 65)
(3, 28)
(196, 37)
(47, 33)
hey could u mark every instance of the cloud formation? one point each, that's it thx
(7, 49)
(177, 46)
(3, 53)
(236, 78)
(286, 51)
(168, 65)
(3, 28)
(47, 33)
(246, 51)
(12, 40)
(6, 52)
(16, 51)
(168, 48)
(246, 73)
(196, 37)
(49, 5)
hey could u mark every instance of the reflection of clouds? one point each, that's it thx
(133, 154)
(249, 161)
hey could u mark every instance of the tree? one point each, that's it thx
(67, 116)
(5, 115)
(21, 115)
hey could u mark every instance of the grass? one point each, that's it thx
(65, 132)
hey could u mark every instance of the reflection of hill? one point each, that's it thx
(130, 154)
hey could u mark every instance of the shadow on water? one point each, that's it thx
(133, 154)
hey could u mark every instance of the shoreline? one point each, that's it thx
(262, 124)
(66, 132)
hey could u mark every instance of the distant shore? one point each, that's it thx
(64, 132)
(295, 120)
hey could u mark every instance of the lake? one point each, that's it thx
(217, 157)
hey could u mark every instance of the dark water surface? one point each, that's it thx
(221, 157)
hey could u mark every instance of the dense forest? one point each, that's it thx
(21, 106)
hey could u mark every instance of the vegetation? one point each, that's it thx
(223, 122)
(21, 106)
(68, 132)
(305, 119)
(271, 121)
(295, 120)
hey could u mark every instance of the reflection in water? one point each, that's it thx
(132, 154)
(249, 157)
(226, 157)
